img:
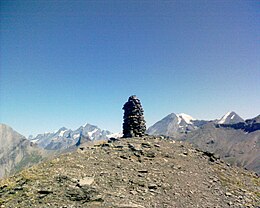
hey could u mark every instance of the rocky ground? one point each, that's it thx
(133, 173)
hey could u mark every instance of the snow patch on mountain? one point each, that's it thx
(187, 118)
(115, 135)
(62, 133)
(76, 136)
(91, 133)
(224, 118)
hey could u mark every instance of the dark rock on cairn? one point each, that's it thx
(134, 123)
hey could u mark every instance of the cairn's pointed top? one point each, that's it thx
(132, 97)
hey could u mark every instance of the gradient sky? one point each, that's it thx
(65, 63)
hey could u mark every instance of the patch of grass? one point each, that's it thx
(230, 182)
(230, 160)
(256, 181)
(8, 183)
(234, 183)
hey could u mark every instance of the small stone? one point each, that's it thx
(146, 145)
(133, 192)
(86, 181)
(152, 186)
(19, 188)
(143, 171)
(45, 192)
(105, 145)
(11, 192)
(112, 139)
(150, 154)
(119, 146)
(228, 194)
(123, 157)
(157, 145)
(97, 198)
(141, 183)
(132, 147)
(230, 203)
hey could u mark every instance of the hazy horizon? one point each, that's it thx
(67, 63)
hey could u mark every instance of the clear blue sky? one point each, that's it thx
(65, 63)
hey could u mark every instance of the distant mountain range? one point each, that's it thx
(65, 138)
(234, 139)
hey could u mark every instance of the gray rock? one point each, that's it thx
(86, 181)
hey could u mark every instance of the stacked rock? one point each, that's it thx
(134, 123)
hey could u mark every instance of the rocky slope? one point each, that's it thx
(235, 146)
(235, 140)
(16, 152)
(132, 173)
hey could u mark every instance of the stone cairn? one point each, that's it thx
(134, 123)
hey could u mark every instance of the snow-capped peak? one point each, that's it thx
(62, 133)
(185, 117)
(230, 118)
(224, 118)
